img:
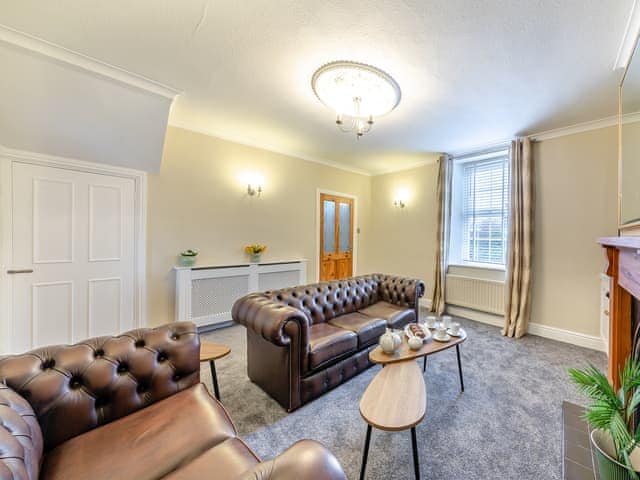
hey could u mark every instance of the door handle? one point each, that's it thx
(20, 270)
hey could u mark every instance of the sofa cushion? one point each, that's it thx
(327, 342)
(366, 328)
(224, 461)
(147, 444)
(396, 317)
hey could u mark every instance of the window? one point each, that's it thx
(480, 209)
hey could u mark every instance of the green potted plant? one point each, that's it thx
(611, 415)
(188, 258)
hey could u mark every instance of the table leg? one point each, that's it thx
(214, 379)
(460, 368)
(365, 454)
(414, 446)
(424, 364)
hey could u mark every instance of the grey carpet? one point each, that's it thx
(506, 425)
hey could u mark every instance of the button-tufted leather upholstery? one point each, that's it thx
(102, 379)
(20, 437)
(125, 407)
(288, 338)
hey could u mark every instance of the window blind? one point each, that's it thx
(485, 212)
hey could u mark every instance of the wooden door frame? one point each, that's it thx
(319, 192)
(10, 156)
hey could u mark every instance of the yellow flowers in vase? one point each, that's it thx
(255, 251)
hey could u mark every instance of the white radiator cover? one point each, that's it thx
(474, 293)
(205, 294)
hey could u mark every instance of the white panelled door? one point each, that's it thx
(72, 255)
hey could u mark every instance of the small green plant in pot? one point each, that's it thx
(188, 257)
(611, 415)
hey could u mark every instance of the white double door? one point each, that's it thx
(72, 261)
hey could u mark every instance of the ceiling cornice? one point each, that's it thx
(585, 126)
(269, 148)
(42, 47)
(629, 39)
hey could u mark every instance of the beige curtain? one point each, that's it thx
(520, 251)
(443, 199)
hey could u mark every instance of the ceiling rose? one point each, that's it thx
(357, 92)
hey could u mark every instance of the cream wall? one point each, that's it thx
(576, 189)
(402, 240)
(576, 204)
(198, 201)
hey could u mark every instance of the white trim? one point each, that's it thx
(355, 233)
(629, 39)
(586, 126)
(567, 336)
(552, 333)
(7, 157)
(425, 303)
(270, 148)
(34, 44)
(478, 316)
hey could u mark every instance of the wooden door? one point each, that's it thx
(336, 237)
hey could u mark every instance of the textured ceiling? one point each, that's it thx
(471, 72)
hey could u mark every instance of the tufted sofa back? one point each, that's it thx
(75, 388)
(322, 302)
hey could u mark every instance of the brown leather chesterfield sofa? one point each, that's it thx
(304, 341)
(129, 408)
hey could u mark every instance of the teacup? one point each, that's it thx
(454, 328)
(441, 331)
(431, 321)
(446, 321)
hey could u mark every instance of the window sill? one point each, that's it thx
(479, 266)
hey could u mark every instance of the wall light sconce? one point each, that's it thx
(402, 196)
(254, 183)
(251, 190)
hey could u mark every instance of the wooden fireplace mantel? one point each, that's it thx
(623, 254)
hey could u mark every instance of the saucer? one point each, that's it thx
(446, 338)
(459, 334)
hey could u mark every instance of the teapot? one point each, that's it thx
(390, 341)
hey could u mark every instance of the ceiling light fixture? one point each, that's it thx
(357, 92)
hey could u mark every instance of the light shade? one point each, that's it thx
(355, 89)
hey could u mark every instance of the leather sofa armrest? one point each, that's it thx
(401, 291)
(304, 459)
(269, 319)
(21, 441)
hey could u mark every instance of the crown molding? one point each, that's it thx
(269, 148)
(585, 126)
(50, 50)
(629, 39)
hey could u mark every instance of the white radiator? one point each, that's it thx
(205, 294)
(477, 294)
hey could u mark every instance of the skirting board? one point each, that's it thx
(553, 333)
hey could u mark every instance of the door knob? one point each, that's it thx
(20, 270)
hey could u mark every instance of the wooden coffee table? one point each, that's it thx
(429, 347)
(395, 400)
(210, 352)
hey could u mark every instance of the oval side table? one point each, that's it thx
(396, 399)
